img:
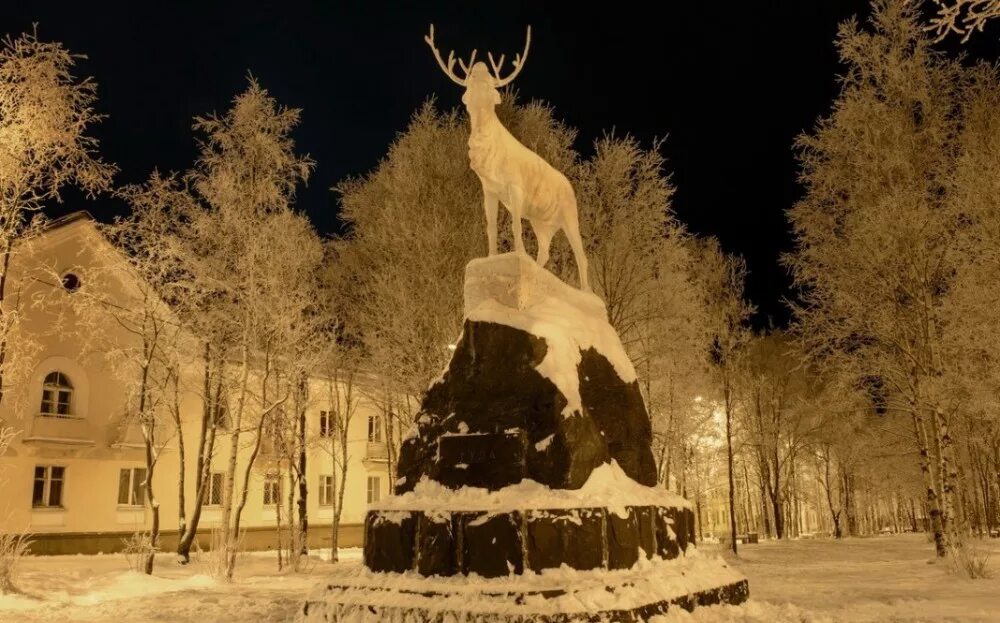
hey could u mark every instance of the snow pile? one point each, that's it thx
(608, 487)
(512, 290)
(649, 581)
(96, 590)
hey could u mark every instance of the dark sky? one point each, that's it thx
(729, 84)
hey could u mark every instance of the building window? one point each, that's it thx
(374, 489)
(221, 417)
(213, 489)
(375, 428)
(326, 490)
(131, 486)
(325, 424)
(272, 490)
(48, 489)
(57, 394)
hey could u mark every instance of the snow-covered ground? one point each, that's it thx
(879, 579)
(891, 578)
(101, 589)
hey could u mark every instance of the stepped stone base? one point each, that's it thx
(631, 596)
(446, 543)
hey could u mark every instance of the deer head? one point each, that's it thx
(481, 86)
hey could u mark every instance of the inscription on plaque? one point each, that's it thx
(489, 460)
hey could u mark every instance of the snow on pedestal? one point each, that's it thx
(527, 489)
(513, 290)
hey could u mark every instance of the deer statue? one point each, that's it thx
(509, 172)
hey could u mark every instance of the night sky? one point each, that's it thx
(729, 84)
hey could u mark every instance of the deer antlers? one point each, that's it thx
(449, 67)
(518, 63)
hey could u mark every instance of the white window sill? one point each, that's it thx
(131, 515)
(48, 516)
(211, 514)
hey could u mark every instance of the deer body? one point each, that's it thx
(510, 173)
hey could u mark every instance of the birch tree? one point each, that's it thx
(242, 259)
(875, 231)
(723, 277)
(139, 335)
(46, 113)
(344, 398)
(962, 17)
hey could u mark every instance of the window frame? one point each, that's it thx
(326, 490)
(375, 427)
(326, 424)
(212, 488)
(47, 480)
(272, 488)
(374, 492)
(57, 394)
(136, 490)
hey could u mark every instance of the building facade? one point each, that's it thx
(73, 476)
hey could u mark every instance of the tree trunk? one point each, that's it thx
(775, 493)
(729, 456)
(763, 480)
(303, 484)
(937, 523)
(154, 505)
(203, 461)
(8, 245)
(828, 486)
(280, 545)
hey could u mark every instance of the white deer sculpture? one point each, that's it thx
(528, 186)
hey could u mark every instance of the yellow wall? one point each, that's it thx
(99, 446)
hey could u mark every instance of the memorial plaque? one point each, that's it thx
(488, 460)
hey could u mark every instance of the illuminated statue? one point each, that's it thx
(528, 186)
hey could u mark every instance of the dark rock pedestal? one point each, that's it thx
(494, 420)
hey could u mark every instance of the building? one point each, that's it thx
(73, 475)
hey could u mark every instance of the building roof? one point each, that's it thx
(66, 219)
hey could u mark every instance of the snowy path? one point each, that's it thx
(808, 581)
(887, 578)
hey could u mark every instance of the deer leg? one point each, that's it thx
(572, 229)
(490, 204)
(515, 207)
(544, 235)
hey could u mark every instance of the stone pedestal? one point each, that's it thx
(527, 486)
(533, 390)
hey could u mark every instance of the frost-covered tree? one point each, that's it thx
(875, 231)
(45, 115)
(642, 266)
(973, 343)
(779, 415)
(139, 335)
(727, 312)
(343, 396)
(13, 544)
(302, 325)
(242, 256)
(962, 17)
